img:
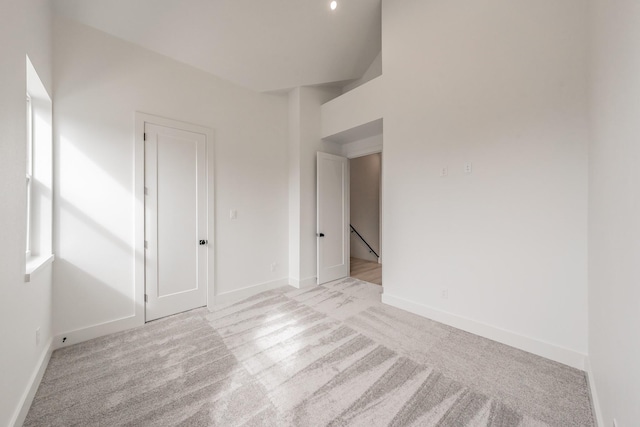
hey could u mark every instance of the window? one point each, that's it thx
(38, 212)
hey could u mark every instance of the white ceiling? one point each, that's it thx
(265, 45)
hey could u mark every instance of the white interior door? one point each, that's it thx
(333, 217)
(175, 221)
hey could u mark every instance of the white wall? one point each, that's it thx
(364, 190)
(304, 141)
(374, 70)
(363, 147)
(100, 81)
(24, 30)
(294, 164)
(360, 106)
(503, 85)
(614, 211)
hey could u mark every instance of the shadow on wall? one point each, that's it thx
(95, 254)
(81, 290)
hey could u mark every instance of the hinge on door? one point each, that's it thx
(146, 244)
(146, 191)
(146, 298)
(144, 136)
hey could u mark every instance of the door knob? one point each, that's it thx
(203, 242)
(320, 234)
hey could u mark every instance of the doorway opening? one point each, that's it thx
(365, 217)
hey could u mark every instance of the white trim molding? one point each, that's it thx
(79, 335)
(34, 382)
(544, 349)
(595, 403)
(303, 283)
(36, 264)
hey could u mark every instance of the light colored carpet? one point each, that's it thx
(332, 355)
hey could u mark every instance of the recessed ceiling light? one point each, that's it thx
(333, 5)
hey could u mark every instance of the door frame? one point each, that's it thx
(139, 205)
(365, 152)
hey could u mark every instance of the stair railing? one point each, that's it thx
(353, 230)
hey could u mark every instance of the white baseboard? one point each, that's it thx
(595, 403)
(531, 345)
(294, 282)
(34, 383)
(303, 283)
(238, 294)
(95, 331)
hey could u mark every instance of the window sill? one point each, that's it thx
(35, 264)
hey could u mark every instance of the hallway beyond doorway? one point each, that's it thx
(369, 271)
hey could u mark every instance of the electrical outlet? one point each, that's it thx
(37, 336)
(273, 266)
(444, 171)
(444, 294)
(233, 214)
(468, 168)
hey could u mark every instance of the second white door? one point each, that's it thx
(175, 220)
(333, 217)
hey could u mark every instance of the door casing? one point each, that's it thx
(139, 207)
